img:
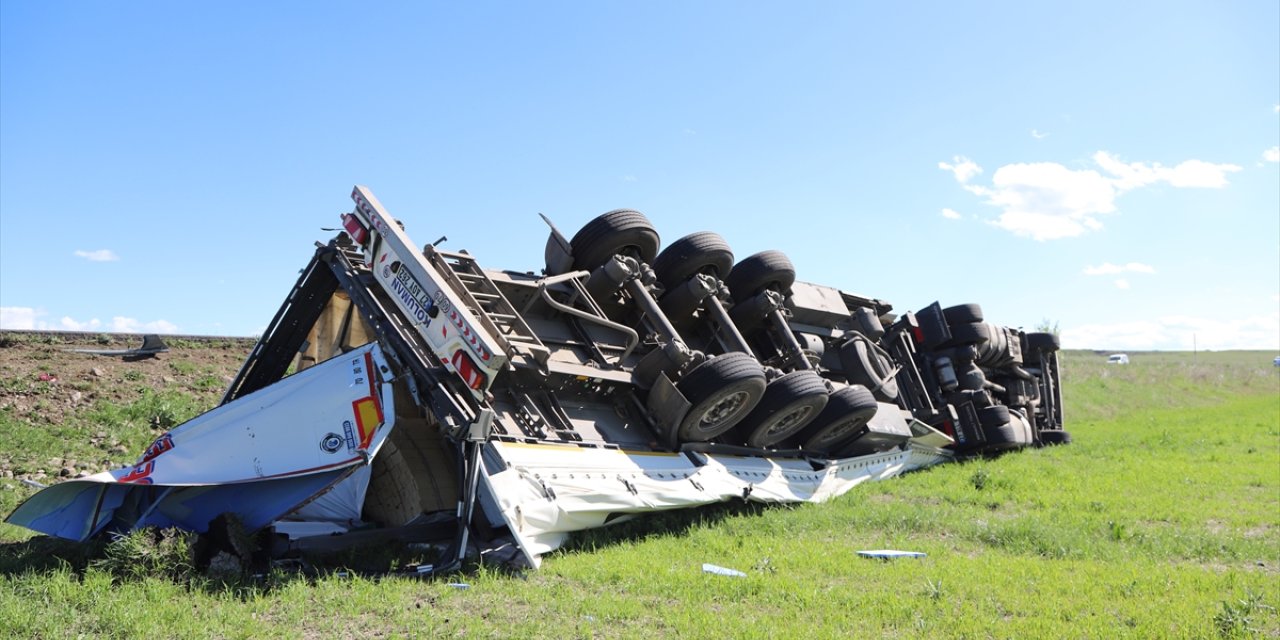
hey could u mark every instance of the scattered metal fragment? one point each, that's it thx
(722, 571)
(889, 554)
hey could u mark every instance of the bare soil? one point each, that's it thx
(40, 368)
(43, 382)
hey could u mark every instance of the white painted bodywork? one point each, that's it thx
(546, 491)
(259, 456)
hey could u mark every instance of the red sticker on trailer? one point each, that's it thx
(355, 229)
(467, 370)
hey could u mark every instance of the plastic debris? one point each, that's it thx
(889, 554)
(722, 571)
(461, 586)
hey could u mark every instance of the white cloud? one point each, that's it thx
(1121, 283)
(628, 178)
(950, 214)
(1190, 173)
(121, 324)
(1106, 269)
(964, 169)
(1047, 201)
(1178, 332)
(1038, 136)
(1275, 109)
(30, 319)
(19, 318)
(70, 324)
(1272, 154)
(101, 255)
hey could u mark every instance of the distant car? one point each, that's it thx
(1123, 358)
(1276, 361)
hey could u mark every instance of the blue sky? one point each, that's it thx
(1112, 167)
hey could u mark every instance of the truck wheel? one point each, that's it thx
(790, 402)
(1052, 437)
(722, 390)
(392, 498)
(972, 333)
(702, 252)
(1000, 438)
(1042, 342)
(619, 231)
(760, 271)
(993, 415)
(997, 428)
(847, 410)
(963, 314)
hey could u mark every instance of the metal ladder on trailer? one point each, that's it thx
(486, 302)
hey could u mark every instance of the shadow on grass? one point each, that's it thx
(201, 565)
(217, 567)
(43, 554)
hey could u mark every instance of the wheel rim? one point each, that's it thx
(835, 433)
(788, 422)
(722, 410)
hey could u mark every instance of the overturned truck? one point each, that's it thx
(416, 393)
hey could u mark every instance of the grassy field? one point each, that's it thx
(1161, 520)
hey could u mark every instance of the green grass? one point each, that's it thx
(1162, 519)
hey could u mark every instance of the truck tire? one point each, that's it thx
(993, 415)
(392, 498)
(621, 231)
(963, 314)
(702, 252)
(760, 271)
(866, 365)
(1042, 342)
(848, 408)
(1000, 438)
(722, 390)
(1053, 437)
(790, 403)
(971, 333)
